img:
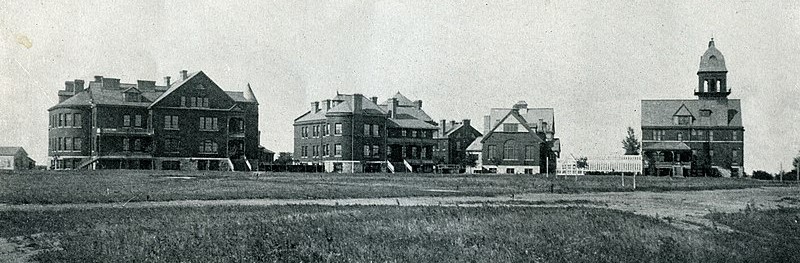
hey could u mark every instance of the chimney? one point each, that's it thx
(393, 107)
(315, 107)
(443, 124)
(358, 101)
(69, 86)
(465, 122)
(452, 123)
(327, 105)
(184, 74)
(166, 81)
(374, 100)
(110, 83)
(419, 104)
(487, 124)
(98, 79)
(78, 85)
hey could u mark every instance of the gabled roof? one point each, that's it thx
(403, 100)
(530, 115)
(513, 114)
(343, 105)
(476, 145)
(724, 112)
(11, 151)
(683, 111)
(174, 86)
(411, 124)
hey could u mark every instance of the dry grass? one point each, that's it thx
(47, 187)
(362, 234)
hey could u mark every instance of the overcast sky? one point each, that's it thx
(592, 62)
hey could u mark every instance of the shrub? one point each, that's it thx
(762, 175)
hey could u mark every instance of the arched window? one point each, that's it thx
(509, 152)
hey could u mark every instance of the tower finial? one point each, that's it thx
(711, 43)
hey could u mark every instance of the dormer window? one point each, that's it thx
(681, 120)
(132, 97)
(705, 113)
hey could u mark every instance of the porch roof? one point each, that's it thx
(670, 146)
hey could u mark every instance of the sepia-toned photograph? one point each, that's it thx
(399, 131)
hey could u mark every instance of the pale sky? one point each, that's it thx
(592, 62)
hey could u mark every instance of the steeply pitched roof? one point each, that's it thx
(712, 60)
(403, 100)
(530, 115)
(411, 124)
(476, 145)
(516, 115)
(174, 86)
(724, 112)
(343, 104)
(10, 151)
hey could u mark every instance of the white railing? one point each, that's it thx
(408, 166)
(608, 163)
(390, 166)
(569, 168)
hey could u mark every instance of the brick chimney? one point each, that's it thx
(184, 74)
(166, 81)
(393, 103)
(487, 124)
(327, 105)
(315, 107)
(374, 100)
(466, 122)
(452, 123)
(419, 104)
(78, 85)
(358, 100)
(69, 86)
(443, 126)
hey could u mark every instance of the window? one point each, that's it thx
(205, 102)
(208, 124)
(735, 136)
(337, 129)
(414, 134)
(337, 149)
(76, 144)
(171, 145)
(510, 127)
(492, 151)
(508, 150)
(78, 121)
(366, 150)
(388, 150)
(137, 121)
(367, 129)
(680, 136)
(376, 150)
(682, 120)
(424, 153)
(208, 146)
(376, 130)
(530, 153)
(126, 120)
(710, 135)
(694, 132)
(528, 171)
(183, 101)
(735, 154)
(170, 122)
(509, 170)
(326, 151)
(59, 144)
(403, 132)
(126, 144)
(705, 113)
(326, 130)
(316, 130)
(414, 152)
(68, 119)
(137, 145)
(60, 120)
(68, 144)
(315, 150)
(711, 153)
(193, 102)
(304, 132)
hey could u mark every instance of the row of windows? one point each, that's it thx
(411, 152)
(323, 130)
(66, 144)
(321, 150)
(659, 135)
(208, 124)
(194, 102)
(416, 133)
(510, 152)
(66, 120)
(137, 121)
(137, 145)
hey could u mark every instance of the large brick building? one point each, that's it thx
(519, 140)
(190, 124)
(696, 137)
(352, 133)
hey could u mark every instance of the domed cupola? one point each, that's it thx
(712, 75)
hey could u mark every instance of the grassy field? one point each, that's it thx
(48, 187)
(401, 234)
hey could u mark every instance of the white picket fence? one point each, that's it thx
(609, 163)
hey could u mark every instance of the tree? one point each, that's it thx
(631, 144)
(284, 158)
(468, 160)
(582, 162)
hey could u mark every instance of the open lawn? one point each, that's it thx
(54, 187)
(390, 233)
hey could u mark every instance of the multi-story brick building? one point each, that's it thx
(190, 124)
(519, 140)
(352, 133)
(452, 140)
(696, 136)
